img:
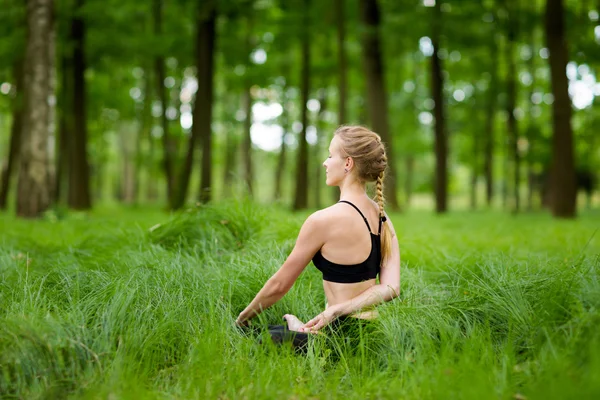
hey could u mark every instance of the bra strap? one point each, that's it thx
(361, 214)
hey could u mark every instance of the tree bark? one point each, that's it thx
(562, 181)
(410, 171)
(511, 92)
(376, 91)
(204, 97)
(230, 150)
(531, 128)
(202, 113)
(318, 167)
(169, 150)
(65, 127)
(342, 61)
(282, 151)
(489, 145)
(34, 185)
(441, 137)
(15, 135)
(301, 194)
(247, 142)
(340, 11)
(79, 175)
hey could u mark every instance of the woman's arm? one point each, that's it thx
(310, 240)
(387, 289)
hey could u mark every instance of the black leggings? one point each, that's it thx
(344, 332)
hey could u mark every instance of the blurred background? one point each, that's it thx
(488, 104)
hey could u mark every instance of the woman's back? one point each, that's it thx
(352, 247)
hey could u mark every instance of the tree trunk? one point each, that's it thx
(342, 61)
(247, 142)
(301, 194)
(202, 113)
(230, 151)
(34, 185)
(376, 91)
(475, 171)
(79, 176)
(511, 92)
(318, 167)
(169, 150)
(15, 135)
(531, 126)
(342, 73)
(489, 145)
(204, 96)
(562, 181)
(65, 127)
(441, 137)
(410, 170)
(282, 151)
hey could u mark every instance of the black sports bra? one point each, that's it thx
(366, 270)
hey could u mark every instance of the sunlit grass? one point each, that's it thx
(137, 303)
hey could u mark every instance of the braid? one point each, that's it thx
(379, 194)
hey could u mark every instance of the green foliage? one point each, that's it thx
(112, 304)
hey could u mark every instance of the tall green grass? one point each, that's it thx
(128, 303)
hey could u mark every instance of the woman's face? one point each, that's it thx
(334, 164)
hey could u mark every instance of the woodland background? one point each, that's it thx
(483, 104)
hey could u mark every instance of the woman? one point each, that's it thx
(351, 242)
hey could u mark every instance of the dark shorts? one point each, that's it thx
(344, 334)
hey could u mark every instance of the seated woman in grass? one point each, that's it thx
(350, 242)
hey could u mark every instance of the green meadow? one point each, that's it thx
(135, 303)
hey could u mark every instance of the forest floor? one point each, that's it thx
(134, 303)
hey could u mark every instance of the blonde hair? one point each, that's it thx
(370, 160)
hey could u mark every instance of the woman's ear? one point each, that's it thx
(349, 163)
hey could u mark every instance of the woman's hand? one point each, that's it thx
(241, 322)
(320, 321)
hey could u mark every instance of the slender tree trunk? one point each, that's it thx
(65, 127)
(301, 194)
(376, 91)
(322, 97)
(34, 185)
(169, 150)
(15, 135)
(488, 151)
(530, 130)
(202, 113)
(282, 151)
(441, 137)
(230, 150)
(410, 171)
(475, 171)
(563, 190)
(79, 175)
(342, 73)
(204, 96)
(511, 91)
(342, 61)
(247, 142)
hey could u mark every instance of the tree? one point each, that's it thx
(511, 99)
(376, 90)
(562, 171)
(206, 16)
(34, 185)
(15, 135)
(441, 137)
(169, 150)
(301, 196)
(79, 176)
(204, 96)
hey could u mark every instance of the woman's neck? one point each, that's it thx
(352, 189)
